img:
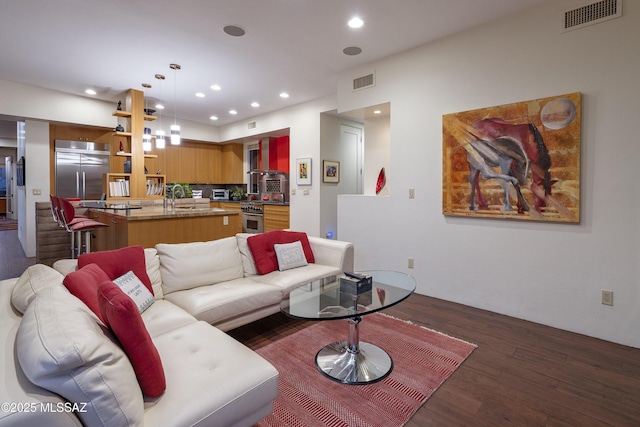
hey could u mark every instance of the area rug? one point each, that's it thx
(423, 359)
(8, 224)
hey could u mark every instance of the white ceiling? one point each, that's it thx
(290, 45)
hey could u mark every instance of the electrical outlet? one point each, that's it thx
(305, 191)
(412, 193)
(410, 262)
(607, 297)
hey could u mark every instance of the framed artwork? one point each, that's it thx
(516, 161)
(303, 171)
(330, 171)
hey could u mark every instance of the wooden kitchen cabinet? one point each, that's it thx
(232, 164)
(230, 206)
(276, 217)
(113, 236)
(82, 133)
(208, 164)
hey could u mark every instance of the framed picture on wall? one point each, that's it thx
(303, 171)
(330, 171)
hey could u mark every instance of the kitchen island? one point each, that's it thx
(150, 225)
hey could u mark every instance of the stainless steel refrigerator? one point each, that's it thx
(80, 167)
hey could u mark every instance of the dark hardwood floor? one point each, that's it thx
(13, 261)
(521, 374)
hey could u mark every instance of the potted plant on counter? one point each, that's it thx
(237, 194)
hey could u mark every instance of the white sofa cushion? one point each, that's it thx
(34, 279)
(61, 347)
(164, 316)
(223, 301)
(248, 263)
(212, 380)
(189, 265)
(153, 271)
(286, 281)
(14, 385)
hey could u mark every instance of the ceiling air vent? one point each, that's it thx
(251, 125)
(592, 13)
(364, 82)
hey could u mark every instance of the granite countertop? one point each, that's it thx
(159, 212)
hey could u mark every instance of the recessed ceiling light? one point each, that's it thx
(200, 95)
(233, 112)
(255, 104)
(352, 50)
(284, 95)
(215, 87)
(90, 92)
(356, 22)
(160, 106)
(214, 117)
(234, 30)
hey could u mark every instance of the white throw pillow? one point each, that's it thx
(62, 348)
(290, 255)
(136, 290)
(31, 282)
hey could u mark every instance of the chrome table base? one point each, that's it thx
(353, 362)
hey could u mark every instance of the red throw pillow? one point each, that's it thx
(84, 284)
(119, 262)
(123, 318)
(261, 247)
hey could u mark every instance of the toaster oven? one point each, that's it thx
(219, 194)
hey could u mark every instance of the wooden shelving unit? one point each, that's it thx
(138, 184)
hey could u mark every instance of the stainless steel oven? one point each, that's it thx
(252, 217)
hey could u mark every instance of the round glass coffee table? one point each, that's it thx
(350, 361)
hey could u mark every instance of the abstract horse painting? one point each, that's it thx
(520, 151)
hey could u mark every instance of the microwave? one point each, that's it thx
(219, 194)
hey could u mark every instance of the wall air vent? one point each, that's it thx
(592, 13)
(364, 82)
(251, 125)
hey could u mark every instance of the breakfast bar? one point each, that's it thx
(150, 225)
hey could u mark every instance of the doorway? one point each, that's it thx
(352, 147)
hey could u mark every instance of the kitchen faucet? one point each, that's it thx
(173, 195)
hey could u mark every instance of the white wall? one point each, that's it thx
(35, 149)
(377, 140)
(547, 273)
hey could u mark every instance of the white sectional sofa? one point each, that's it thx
(201, 289)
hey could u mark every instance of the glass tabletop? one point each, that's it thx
(323, 300)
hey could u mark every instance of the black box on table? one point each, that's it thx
(355, 284)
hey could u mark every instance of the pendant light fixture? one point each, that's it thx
(160, 133)
(146, 136)
(175, 129)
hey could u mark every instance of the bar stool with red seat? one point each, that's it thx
(77, 225)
